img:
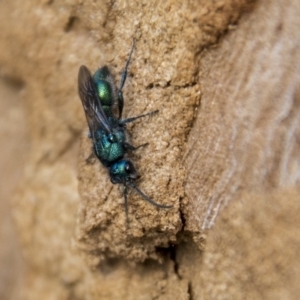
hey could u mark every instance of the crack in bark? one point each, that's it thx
(190, 291)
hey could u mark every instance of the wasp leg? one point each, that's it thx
(123, 79)
(129, 120)
(133, 148)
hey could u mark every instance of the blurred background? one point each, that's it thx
(14, 150)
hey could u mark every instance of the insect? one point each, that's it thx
(99, 96)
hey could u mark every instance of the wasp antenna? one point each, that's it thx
(147, 198)
(129, 120)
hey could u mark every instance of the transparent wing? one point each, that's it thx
(94, 113)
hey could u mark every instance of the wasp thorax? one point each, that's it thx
(112, 138)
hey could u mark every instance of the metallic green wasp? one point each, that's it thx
(99, 96)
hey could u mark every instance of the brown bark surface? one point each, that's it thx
(223, 150)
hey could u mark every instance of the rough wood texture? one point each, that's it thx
(237, 146)
(244, 152)
(246, 136)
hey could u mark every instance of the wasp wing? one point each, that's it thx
(95, 116)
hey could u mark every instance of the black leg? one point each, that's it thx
(129, 120)
(132, 148)
(123, 79)
(120, 104)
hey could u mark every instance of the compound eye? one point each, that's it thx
(129, 168)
